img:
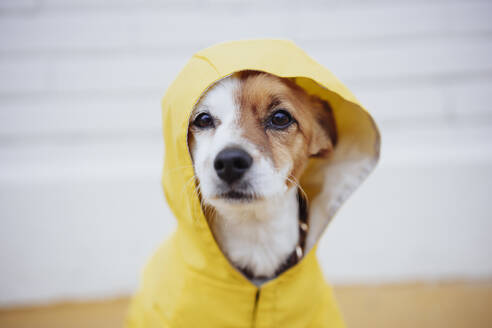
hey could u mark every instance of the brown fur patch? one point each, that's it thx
(312, 134)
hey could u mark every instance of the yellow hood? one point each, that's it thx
(189, 282)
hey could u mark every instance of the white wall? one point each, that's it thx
(80, 139)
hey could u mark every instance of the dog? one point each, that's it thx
(250, 137)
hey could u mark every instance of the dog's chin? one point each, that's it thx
(237, 197)
(234, 198)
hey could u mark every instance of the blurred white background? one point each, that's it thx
(81, 207)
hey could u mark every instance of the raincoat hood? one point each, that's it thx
(189, 282)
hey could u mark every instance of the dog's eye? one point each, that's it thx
(204, 120)
(280, 119)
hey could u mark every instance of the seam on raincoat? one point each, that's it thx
(208, 62)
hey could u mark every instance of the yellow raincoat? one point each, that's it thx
(189, 282)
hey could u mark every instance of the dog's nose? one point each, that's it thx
(231, 163)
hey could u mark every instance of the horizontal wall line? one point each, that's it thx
(75, 137)
(37, 7)
(188, 48)
(131, 93)
(369, 83)
(423, 79)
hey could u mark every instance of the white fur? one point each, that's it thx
(261, 236)
(257, 235)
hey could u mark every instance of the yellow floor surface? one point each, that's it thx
(447, 305)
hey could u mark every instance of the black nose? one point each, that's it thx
(231, 163)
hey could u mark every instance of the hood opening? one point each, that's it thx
(328, 182)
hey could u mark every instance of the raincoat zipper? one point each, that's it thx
(255, 307)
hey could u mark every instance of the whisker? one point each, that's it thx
(197, 192)
(187, 182)
(292, 179)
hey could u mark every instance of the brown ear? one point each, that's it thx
(324, 137)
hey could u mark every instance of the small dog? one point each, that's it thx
(250, 137)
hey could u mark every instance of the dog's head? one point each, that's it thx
(250, 137)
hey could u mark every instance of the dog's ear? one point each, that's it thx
(324, 137)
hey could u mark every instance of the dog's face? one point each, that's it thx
(250, 137)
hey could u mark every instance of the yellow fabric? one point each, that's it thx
(189, 282)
